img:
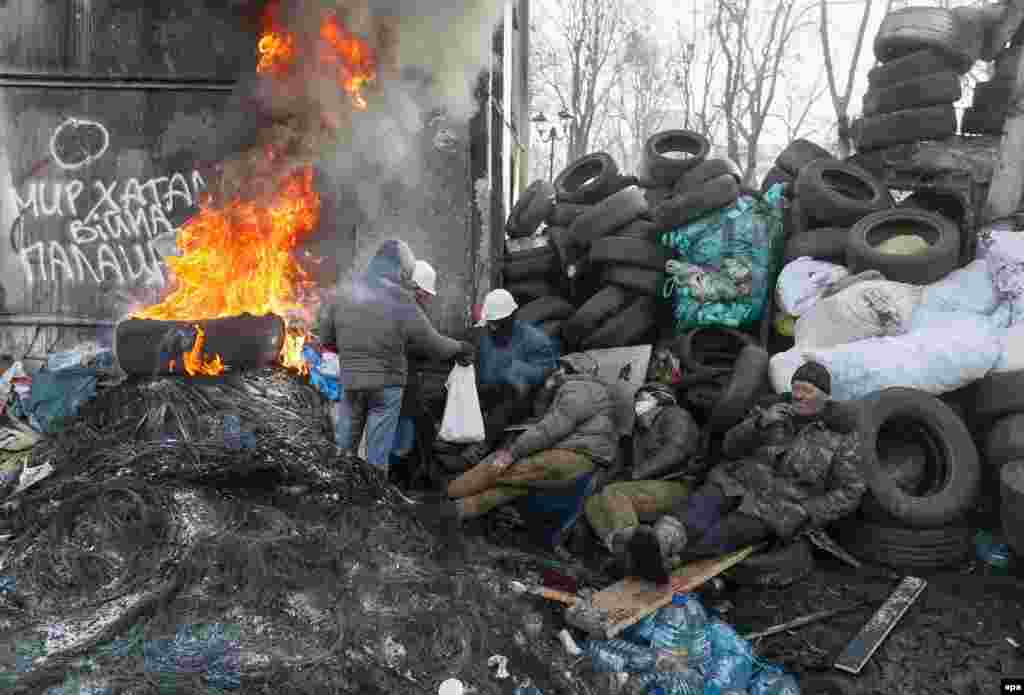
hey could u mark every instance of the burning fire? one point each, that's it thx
(239, 257)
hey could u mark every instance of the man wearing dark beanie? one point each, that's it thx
(790, 466)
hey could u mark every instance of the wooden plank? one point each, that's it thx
(1004, 193)
(871, 636)
(632, 599)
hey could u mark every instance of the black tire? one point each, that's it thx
(527, 291)
(1005, 441)
(533, 207)
(823, 244)
(667, 170)
(749, 375)
(973, 32)
(627, 251)
(545, 309)
(947, 431)
(588, 179)
(640, 280)
(940, 259)
(629, 327)
(776, 175)
(981, 122)
(794, 219)
(657, 195)
(603, 305)
(894, 545)
(706, 171)
(799, 154)
(776, 567)
(948, 205)
(909, 125)
(566, 250)
(680, 209)
(552, 328)
(996, 395)
(839, 193)
(912, 462)
(695, 344)
(911, 29)
(994, 95)
(1011, 492)
(909, 67)
(562, 214)
(938, 88)
(639, 229)
(608, 215)
(529, 264)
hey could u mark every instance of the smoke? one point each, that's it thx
(430, 54)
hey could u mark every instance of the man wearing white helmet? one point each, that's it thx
(514, 359)
(424, 282)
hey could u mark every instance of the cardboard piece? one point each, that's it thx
(632, 599)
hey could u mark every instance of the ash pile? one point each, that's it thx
(171, 551)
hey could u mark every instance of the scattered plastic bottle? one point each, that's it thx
(679, 627)
(731, 664)
(527, 690)
(616, 655)
(232, 432)
(772, 681)
(688, 682)
(992, 549)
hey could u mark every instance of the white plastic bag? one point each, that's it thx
(865, 310)
(463, 423)
(803, 282)
(968, 289)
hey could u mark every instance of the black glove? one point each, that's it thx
(466, 354)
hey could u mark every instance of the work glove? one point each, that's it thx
(466, 354)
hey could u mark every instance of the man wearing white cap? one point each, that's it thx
(514, 359)
(424, 282)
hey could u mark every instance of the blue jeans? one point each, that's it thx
(377, 410)
(405, 436)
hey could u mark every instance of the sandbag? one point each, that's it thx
(725, 264)
(463, 422)
(865, 310)
(942, 352)
(803, 282)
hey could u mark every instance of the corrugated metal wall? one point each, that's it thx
(111, 115)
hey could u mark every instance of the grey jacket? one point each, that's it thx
(374, 322)
(581, 418)
(667, 446)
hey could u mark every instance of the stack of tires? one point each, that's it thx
(532, 274)
(923, 51)
(991, 101)
(923, 475)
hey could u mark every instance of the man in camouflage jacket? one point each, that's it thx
(793, 465)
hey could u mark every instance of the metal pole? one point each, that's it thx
(551, 162)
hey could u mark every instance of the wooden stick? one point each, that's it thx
(803, 620)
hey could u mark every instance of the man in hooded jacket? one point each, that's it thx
(794, 465)
(373, 322)
(665, 441)
(576, 435)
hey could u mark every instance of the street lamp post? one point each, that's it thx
(540, 119)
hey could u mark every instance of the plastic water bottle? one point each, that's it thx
(680, 626)
(731, 663)
(527, 690)
(688, 682)
(616, 656)
(772, 681)
(232, 432)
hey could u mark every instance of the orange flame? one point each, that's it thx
(240, 259)
(194, 362)
(276, 46)
(353, 58)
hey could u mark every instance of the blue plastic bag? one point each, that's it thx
(732, 662)
(328, 386)
(773, 681)
(725, 263)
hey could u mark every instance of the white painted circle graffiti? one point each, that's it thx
(96, 149)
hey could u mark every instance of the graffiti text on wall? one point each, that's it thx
(108, 228)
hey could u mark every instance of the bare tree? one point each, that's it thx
(695, 77)
(841, 97)
(795, 115)
(754, 48)
(579, 63)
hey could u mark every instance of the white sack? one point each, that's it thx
(463, 423)
(865, 310)
(968, 289)
(803, 282)
(940, 355)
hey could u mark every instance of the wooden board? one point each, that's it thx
(871, 636)
(631, 599)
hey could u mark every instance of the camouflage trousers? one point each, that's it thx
(630, 503)
(481, 488)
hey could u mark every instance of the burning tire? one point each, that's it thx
(146, 347)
